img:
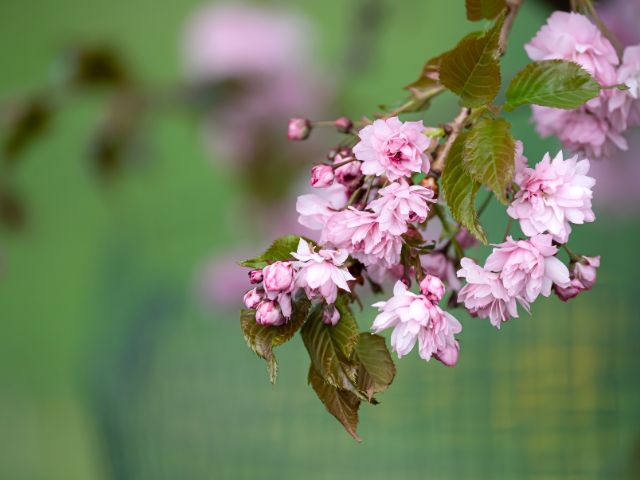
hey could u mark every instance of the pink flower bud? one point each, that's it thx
(585, 271)
(268, 313)
(255, 276)
(278, 278)
(343, 125)
(252, 298)
(449, 356)
(299, 129)
(570, 291)
(348, 174)
(321, 176)
(432, 288)
(330, 315)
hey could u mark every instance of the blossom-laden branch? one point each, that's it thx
(380, 216)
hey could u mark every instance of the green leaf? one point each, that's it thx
(263, 338)
(472, 68)
(488, 9)
(429, 80)
(279, 250)
(340, 403)
(460, 189)
(330, 347)
(551, 83)
(489, 155)
(375, 366)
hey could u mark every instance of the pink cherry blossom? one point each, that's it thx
(363, 235)
(348, 174)
(552, 195)
(528, 268)
(414, 318)
(278, 278)
(321, 273)
(393, 148)
(399, 203)
(521, 163)
(627, 102)
(484, 294)
(315, 209)
(571, 36)
(268, 313)
(253, 298)
(432, 288)
(321, 176)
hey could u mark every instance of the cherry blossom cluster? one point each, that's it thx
(597, 128)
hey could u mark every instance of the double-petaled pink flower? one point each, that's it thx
(316, 209)
(366, 238)
(416, 318)
(400, 203)
(392, 148)
(321, 273)
(552, 195)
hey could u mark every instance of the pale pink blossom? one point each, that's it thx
(362, 234)
(278, 278)
(268, 313)
(315, 209)
(485, 296)
(252, 298)
(626, 103)
(432, 288)
(552, 195)
(528, 268)
(321, 273)
(399, 203)
(583, 277)
(572, 36)
(299, 129)
(392, 148)
(592, 129)
(414, 318)
(321, 176)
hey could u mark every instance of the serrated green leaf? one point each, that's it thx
(376, 369)
(487, 9)
(263, 338)
(330, 347)
(472, 68)
(429, 79)
(279, 250)
(489, 155)
(551, 83)
(340, 403)
(460, 189)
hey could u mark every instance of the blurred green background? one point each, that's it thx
(111, 367)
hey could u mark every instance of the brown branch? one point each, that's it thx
(457, 124)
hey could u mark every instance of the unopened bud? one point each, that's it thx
(299, 129)
(255, 276)
(321, 176)
(343, 125)
(330, 315)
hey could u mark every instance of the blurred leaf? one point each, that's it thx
(489, 155)
(279, 250)
(472, 68)
(375, 366)
(12, 210)
(263, 338)
(25, 122)
(340, 403)
(551, 83)
(330, 346)
(460, 189)
(487, 9)
(429, 81)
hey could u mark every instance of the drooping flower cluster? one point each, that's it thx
(596, 128)
(320, 274)
(418, 318)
